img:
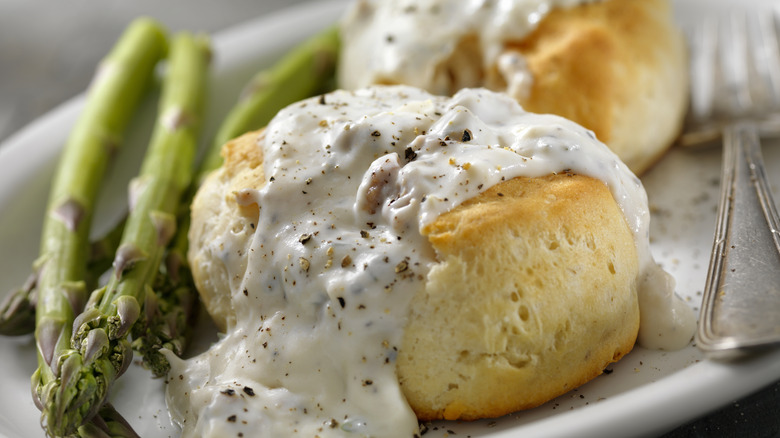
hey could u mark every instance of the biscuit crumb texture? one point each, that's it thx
(534, 295)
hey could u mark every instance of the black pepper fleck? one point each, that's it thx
(410, 154)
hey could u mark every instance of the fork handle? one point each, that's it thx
(741, 305)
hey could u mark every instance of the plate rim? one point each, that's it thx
(711, 384)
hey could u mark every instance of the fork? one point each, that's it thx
(735, 92)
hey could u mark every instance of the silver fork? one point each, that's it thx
(735, 92)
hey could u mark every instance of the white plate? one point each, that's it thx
(646, 393)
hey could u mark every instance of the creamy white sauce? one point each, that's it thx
(353, 177)
(666, 321)
(440, 45)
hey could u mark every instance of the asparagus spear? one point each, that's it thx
(123, 76)
(301, 73)
(100, 349)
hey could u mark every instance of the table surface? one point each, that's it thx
(48, 50)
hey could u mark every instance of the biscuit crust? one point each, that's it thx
(534, 295)
(617, 67)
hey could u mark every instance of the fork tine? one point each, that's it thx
(767, 46)
(734, 72)
(703, 41)
(763, 63)
(733, 62)
(766, 86)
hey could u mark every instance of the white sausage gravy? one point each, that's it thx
(351, 179)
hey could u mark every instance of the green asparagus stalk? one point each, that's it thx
(101, 350)
(301, 73)
(123, 76)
